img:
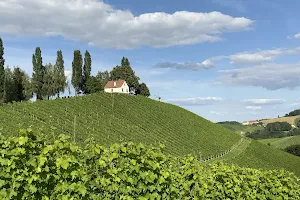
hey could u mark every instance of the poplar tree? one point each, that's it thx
(2, 71)
(77, 71)
(49, 86)
(87, 67)
(59, 74)
(38, 73)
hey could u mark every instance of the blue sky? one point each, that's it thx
(224, 60)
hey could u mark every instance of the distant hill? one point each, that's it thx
(113, 118)
(238, 127)
(282, 143)
(290, 120)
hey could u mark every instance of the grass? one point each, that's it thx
(240, 128)
(282, 143)
(258, 155)
(291, 120)
(112, 119)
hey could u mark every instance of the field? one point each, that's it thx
(109, 119)
(240, 128)
(282, 143)
(118, 118)
(290, 120)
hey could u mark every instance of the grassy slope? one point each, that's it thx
(139, 119)
(282, 143)
(132, 118)
(258, 155)
(240, 128)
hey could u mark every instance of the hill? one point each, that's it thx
(291, 120)
(121, 118)
(240, 128)
(282, 143)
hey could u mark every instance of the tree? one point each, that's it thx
(49, 86)
(8, 86)
(17, 85)
(143, 90)
(126, 73)
(77, 71)
(86, 69)
(94, 85)
(104, 77)
(38, 73)
(60, 80)
(2, 71)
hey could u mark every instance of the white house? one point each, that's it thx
(118, 86)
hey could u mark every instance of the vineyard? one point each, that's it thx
(108, 119)
(282, 143)
(34, 168)
(119, 118)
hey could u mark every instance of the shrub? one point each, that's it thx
(30, 168)
(294, 149)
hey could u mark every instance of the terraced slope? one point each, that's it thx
(258, 155)
(110, 119)
(113, 118)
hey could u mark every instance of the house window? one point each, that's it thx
(122, 90)
(112, 90)
(127, 90)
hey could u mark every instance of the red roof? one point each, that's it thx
(114, 84)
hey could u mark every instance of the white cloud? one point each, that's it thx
(254, 58)
(257, 57)
(253, 107)
(195, 101)
(68, 74)
(297, 36)
(271, 76)
(97, 23)
(207, 64)
(257, 103)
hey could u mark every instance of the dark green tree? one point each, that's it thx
(77, 71)
(49, 86)
(104, 77)
(17, 85)
(2, 71)
(38, 73)
(126, 73)
(60, 80)
(143, 90)
(94, 85)
(9, 89)
(87, 67)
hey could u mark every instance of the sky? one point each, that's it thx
(223, 60)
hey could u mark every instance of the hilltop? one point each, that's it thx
(114, 118)
(290, 119)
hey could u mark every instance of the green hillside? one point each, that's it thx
(118, 118)
(240, 128)
(282, 143)
(110, 119)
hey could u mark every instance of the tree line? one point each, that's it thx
(49, 80)
(274, 130)
(293, 113)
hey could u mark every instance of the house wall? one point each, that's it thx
(118, 90)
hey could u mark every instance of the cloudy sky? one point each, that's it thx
(224, 60)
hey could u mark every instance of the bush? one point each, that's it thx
(279, 126)
(32, 169)
(294, 149)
